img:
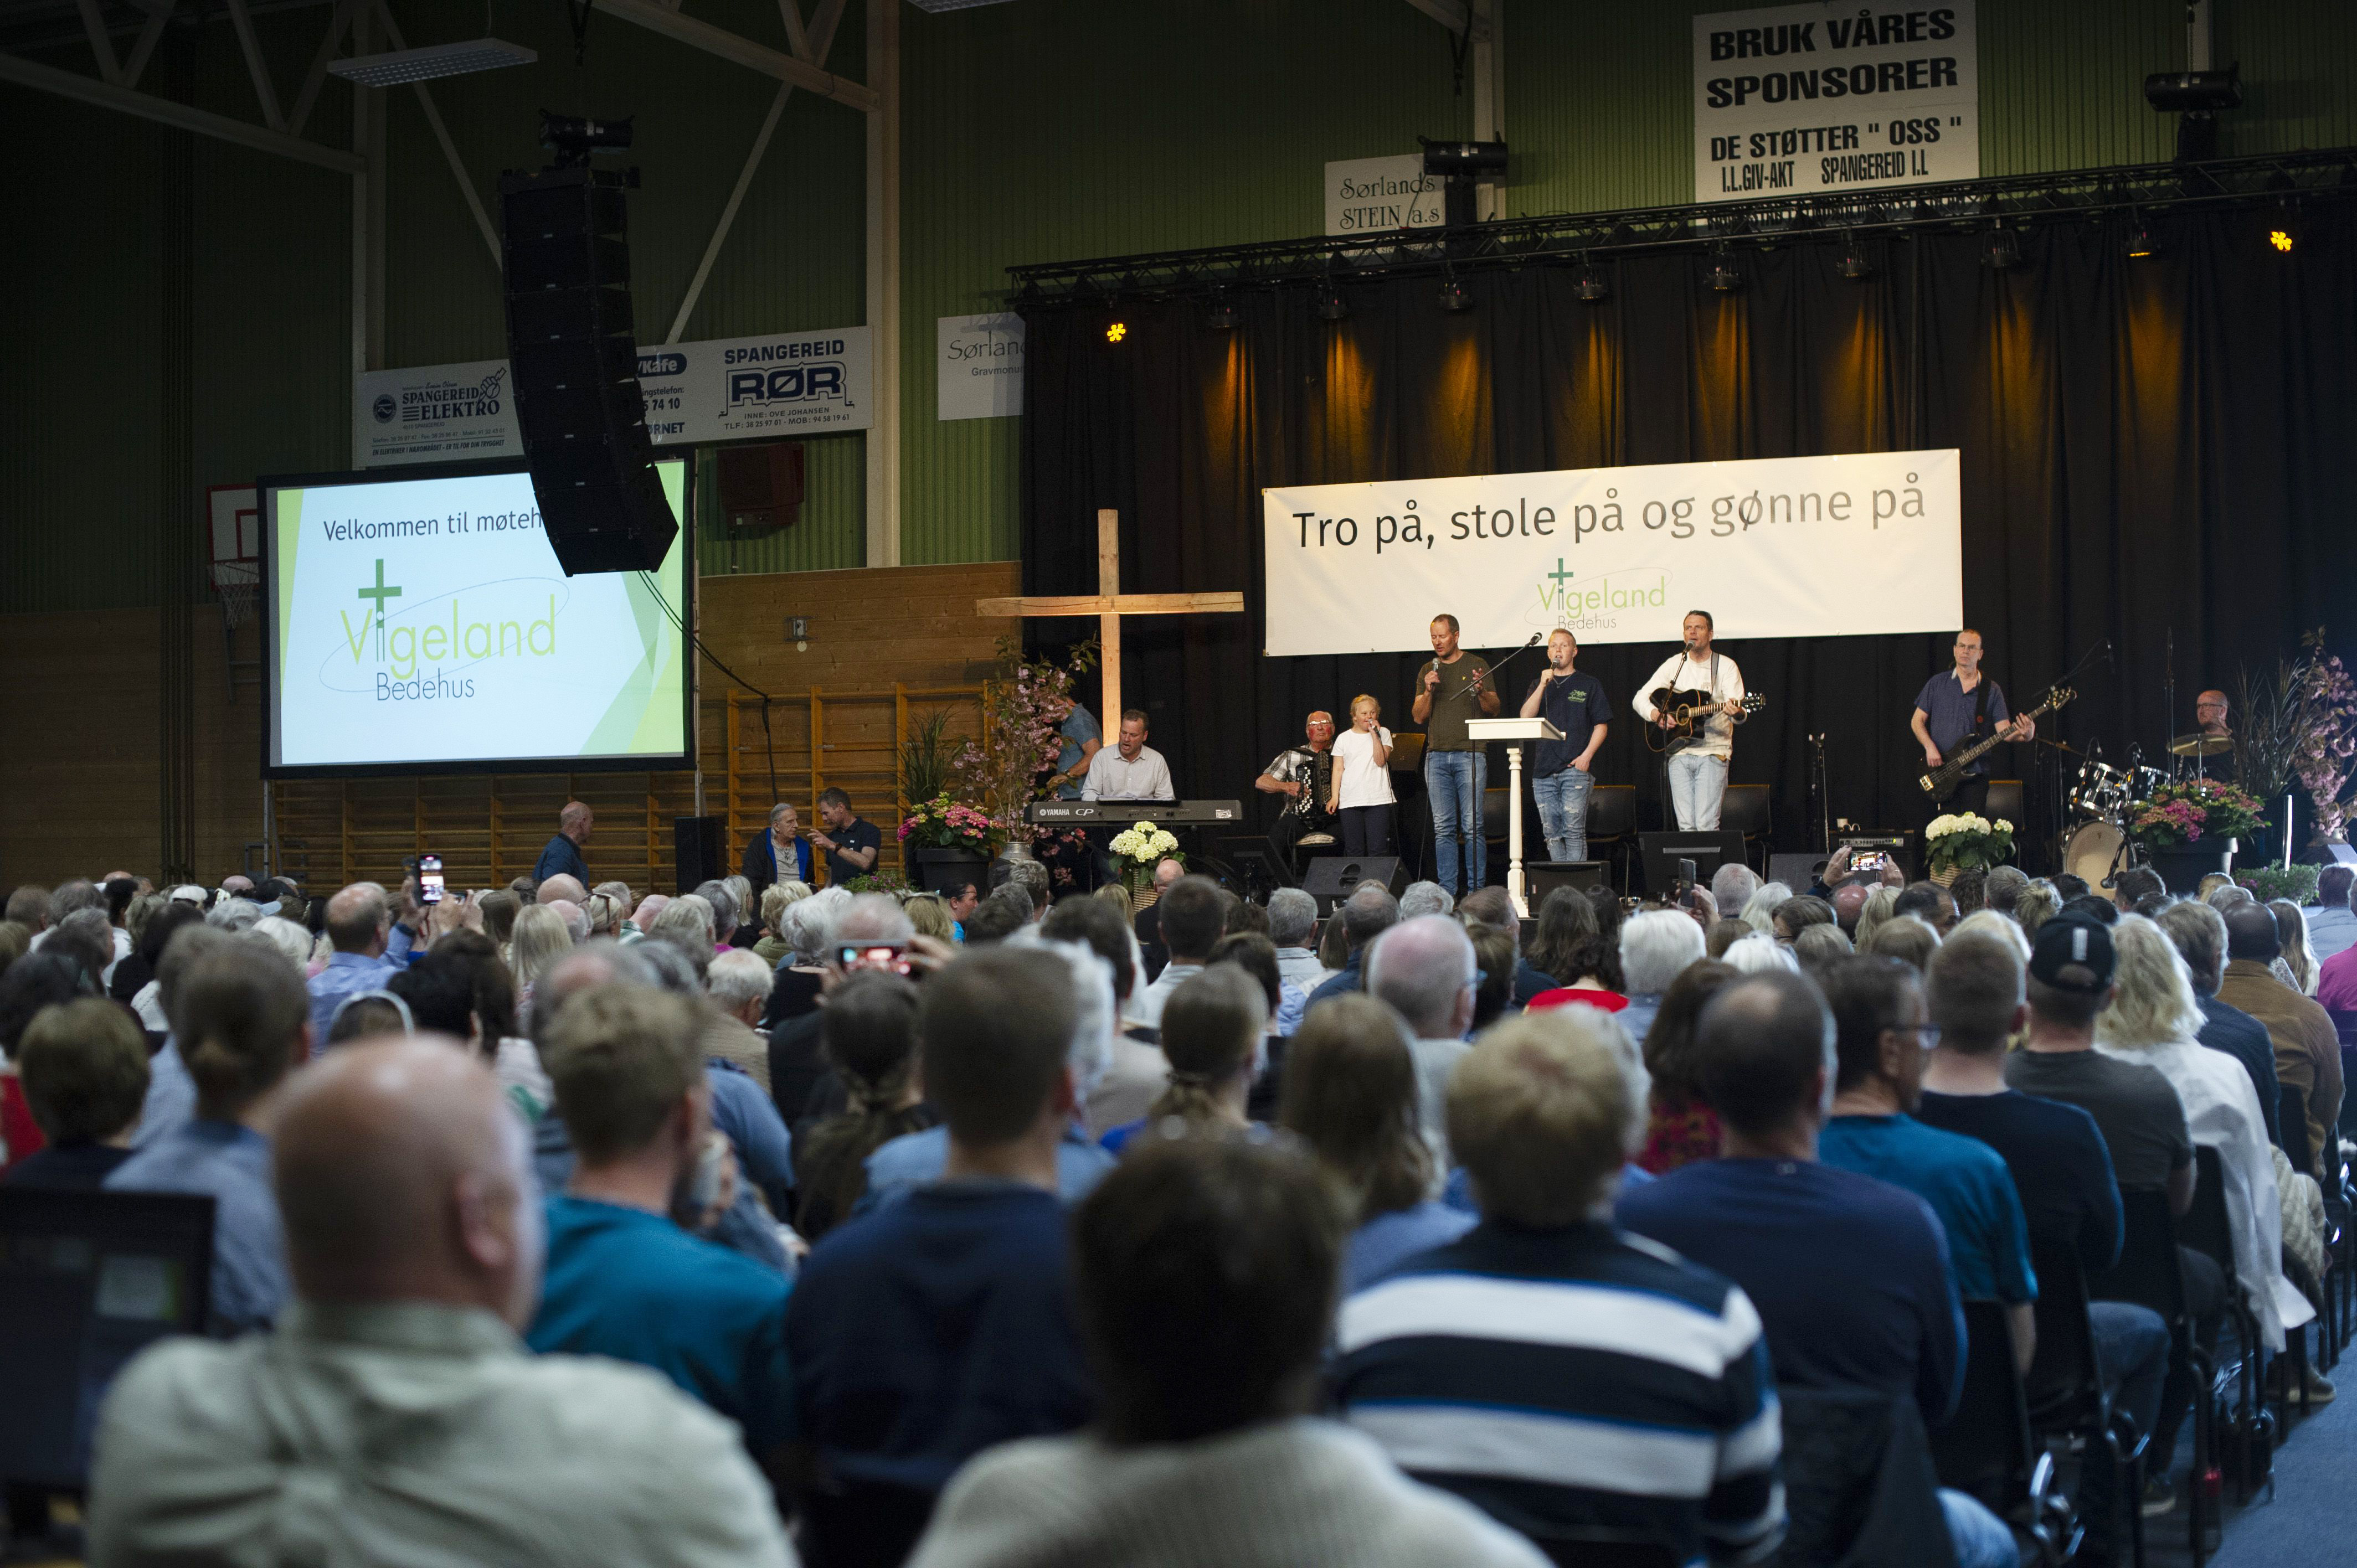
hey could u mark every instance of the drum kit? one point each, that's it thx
(2097, 846)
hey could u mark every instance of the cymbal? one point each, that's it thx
(2201, 744)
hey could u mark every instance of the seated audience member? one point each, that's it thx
(83, 1067)
(1655, 947)
(2331, 920)
(939, 1325)
(1724, 934)
(242, 1018)
(1930, 903)
(1190, 916)
(1424, 970)
(995, 919)
(1426, 898)
(739, 983)
(1350, 1095)
(1252, 952)
(1988, 922)
(1752, 953)
(2307, 1047)
(1906, 938)
(1970, 891)
(1595, 979)
(2299, 965)
(1849, 902)
(1731, 887)
(2062, 1171)
(1877, 907)
(1137, 1072)
(625, 1279)
(778, 897)
(1493, 962)
(171, 1093)
(2070, 985)
(1850, 1275)
(1449, 1360)
(931, 917)
(2134, 886)
(1212, 1036)
(1292, 922)
(2336, 978)
(1205, 1274)
(797, 1058)
(2037, 902)
(2200, 934)
(1883, 1032)
(1794, 916)
(2068, 885)
(359, 922)
(1565, 915)
(691, 917)
(392, 1416)
(2152, 1022)
(1758, 912)
(2003, 887)
(914, 1159)
(2093, 906)
(1818, 948)
(561, 888)
(800, 975)
(364, 1015)
(500, 909)
(147, 1000)
(1494, 908)
(871, 1039)
(1366, 914)
(1680, 1126)
(540, 941)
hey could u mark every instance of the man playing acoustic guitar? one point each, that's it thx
(1957, 707)
(1698, 761)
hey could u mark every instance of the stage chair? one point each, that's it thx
(2206, 1230)
(1985, 1449)
(1612, 824)
(1745, 810)
(1858, 1484)
(2065, 1384)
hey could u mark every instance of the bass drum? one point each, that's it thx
(2091, 850)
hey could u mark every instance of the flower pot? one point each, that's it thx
(938, 870)
(2182, 866)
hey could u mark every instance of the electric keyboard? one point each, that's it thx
(1161, 814)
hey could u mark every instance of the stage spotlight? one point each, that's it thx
(1331, 305)
(2283, 231)
(1455, 296)
(1854, 264)
(1223, 316)
(1116, 332)
(2140, 242)
(1589, 284)
(2002, 252)
(1725, 276)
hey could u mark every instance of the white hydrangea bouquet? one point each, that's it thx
(1138, 847)
(1968, 841)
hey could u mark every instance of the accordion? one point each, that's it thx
(1317, 789)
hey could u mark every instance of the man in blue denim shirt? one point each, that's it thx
(1450, 691)
(1575, 704)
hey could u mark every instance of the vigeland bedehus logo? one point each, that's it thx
(409, 655)
(1594, 604)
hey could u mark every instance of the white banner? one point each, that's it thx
(1771, 547)
(1811, 99)
(1369, 195)
(771, 387)
(978, 366)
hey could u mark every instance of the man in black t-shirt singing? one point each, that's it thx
(1560, 780)
(853, 844)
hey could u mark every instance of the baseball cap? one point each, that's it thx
(188, 893)
(2073, 953)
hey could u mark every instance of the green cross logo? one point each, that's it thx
(1559, 575)
(380, 594)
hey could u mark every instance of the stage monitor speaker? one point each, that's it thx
(572, 352)
(760, 487)
(1332, 878)
(1708, 851)
(1545, 876)
(697, 850)
(1794, 871)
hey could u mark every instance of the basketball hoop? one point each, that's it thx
(236, 538)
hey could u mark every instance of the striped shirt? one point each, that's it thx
(1570, 1381)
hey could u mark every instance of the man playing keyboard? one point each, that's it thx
(1129, 769)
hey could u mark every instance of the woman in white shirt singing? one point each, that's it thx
(1362, 791)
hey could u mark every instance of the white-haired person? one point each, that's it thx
(2153, 1021)
(1758, 911)
(803, 971)
(1757, 954)
(1655, 947)
(776, 899)
(738, 983)
(541, 939)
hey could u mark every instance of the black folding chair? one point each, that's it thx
(2206, 1230)
(2151, 1274)
(2065, 1385)
(2334, 1291)
(1858, 1485)
(2292, 1111)
(1985, 1448)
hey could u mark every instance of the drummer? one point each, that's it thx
(1957, 707)
(2209, 712)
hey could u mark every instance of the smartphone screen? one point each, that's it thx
(890, 957)
(1869, 860)
(429, 879)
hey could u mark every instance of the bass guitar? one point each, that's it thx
(1686, 710)
(1940, 782)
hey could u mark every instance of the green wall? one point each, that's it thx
(1036, 130)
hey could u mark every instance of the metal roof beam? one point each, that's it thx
(106, 95)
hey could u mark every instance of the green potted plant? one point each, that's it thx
(2189, 830)
(2294, 882)
(945, 844)
(1138, 847)
(1966, 842)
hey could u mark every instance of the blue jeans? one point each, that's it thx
(2132, 1347)
(1455, 780)
(1698, 784)
(1563, 811)
(1983, 1540)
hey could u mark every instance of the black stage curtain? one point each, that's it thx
(2150, 446)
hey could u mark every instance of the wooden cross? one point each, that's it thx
(1109, 604)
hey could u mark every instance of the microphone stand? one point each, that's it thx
(1474, 685)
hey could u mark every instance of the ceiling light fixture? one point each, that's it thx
(402, 67)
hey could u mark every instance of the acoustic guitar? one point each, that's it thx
(1941, 782)
(1686, 710)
